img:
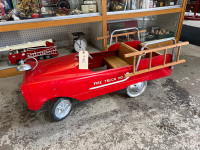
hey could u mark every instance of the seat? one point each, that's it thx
(120, 60)
(115, 62)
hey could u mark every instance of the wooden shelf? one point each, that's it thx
(52, 23)
(142, 14)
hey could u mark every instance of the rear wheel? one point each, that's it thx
(61, 109)
(137, 89)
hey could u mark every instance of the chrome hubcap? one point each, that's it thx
(136, 89)
(63, 108)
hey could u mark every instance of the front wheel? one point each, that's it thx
(137, 89)
(61, 109)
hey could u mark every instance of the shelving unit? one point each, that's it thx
(102, 17)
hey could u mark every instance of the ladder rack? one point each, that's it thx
(150, 68)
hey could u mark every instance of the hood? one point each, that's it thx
(65, 65)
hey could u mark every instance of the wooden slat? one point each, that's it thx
(145, 13)
(150, 58)
(104, 44)
(165, 53)
(116, 40)
(9, 72)
(159, 44)
(128, 37)
(154, 68)
(124, 48)
(158, 53)
(156, 49)
(178, 53)
(122, 34)
(134, 60)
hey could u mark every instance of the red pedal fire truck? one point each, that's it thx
(127, 65)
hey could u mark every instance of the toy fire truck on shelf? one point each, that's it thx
(38, 49)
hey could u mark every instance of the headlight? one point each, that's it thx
(23, 67)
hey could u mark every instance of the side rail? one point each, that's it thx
(116, 36)
(164, 48)
(125, 29)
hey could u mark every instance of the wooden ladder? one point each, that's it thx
(150, 68)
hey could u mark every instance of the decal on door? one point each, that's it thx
(107, 82)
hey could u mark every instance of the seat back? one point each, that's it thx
(125, 49)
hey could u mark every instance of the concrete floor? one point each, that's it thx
(166, 116)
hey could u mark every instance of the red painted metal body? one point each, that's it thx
(36, 52)
(61, 77)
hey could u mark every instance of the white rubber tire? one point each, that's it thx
(61, 109)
